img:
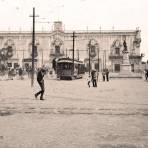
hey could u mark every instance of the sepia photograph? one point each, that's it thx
(73, 74)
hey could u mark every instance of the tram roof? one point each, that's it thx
(68, 60)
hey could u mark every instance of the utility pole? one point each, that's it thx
(42, 57)
(78, 53)
(98, 59)
(33, 45)
(89, 55)
(66, 52)
(105, 57)
(23, 54)
(73, 49)
(103, 61)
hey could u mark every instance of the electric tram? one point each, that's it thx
(66, 68)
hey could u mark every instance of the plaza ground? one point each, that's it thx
(113, 115)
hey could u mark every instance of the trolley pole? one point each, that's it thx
(73, 49)
(33, 46)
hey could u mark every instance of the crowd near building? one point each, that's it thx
(103, 48)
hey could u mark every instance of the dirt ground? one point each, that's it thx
(113, 115)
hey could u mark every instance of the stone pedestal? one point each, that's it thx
(126, 66)
(125, 69)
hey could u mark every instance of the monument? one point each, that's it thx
(126, 70)
(126, 66)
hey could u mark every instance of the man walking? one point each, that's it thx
(40, 80)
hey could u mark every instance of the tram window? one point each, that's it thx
(76, 66)
(65, 66)
(9, 64)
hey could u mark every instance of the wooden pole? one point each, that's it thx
(33, 46)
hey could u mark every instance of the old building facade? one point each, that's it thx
(104, 47)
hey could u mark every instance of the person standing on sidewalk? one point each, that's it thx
(89, 80)
(107, 74)
(40, 80)
(103, 75)
(94, 78)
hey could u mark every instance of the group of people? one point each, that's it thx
(105, 74)
(93, 78)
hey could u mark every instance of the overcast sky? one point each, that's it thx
(77, 14)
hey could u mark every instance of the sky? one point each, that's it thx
(77, 15)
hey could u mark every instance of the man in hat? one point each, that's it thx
(40, 80)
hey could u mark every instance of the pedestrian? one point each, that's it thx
(40, 80)
(21, 73)
(146, 74)
(89, 80)
(94, 78)
(107, 74)
(103, 75)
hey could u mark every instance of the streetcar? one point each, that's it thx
(66, 68)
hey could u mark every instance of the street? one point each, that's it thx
(113, 115)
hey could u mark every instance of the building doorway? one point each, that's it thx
(132, 67)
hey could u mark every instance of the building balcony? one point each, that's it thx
(119, 56)
(56, 54)
(115, 56)
(134, 56)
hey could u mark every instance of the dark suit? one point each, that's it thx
(40, 81)
(94, 78)
(107, 75)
